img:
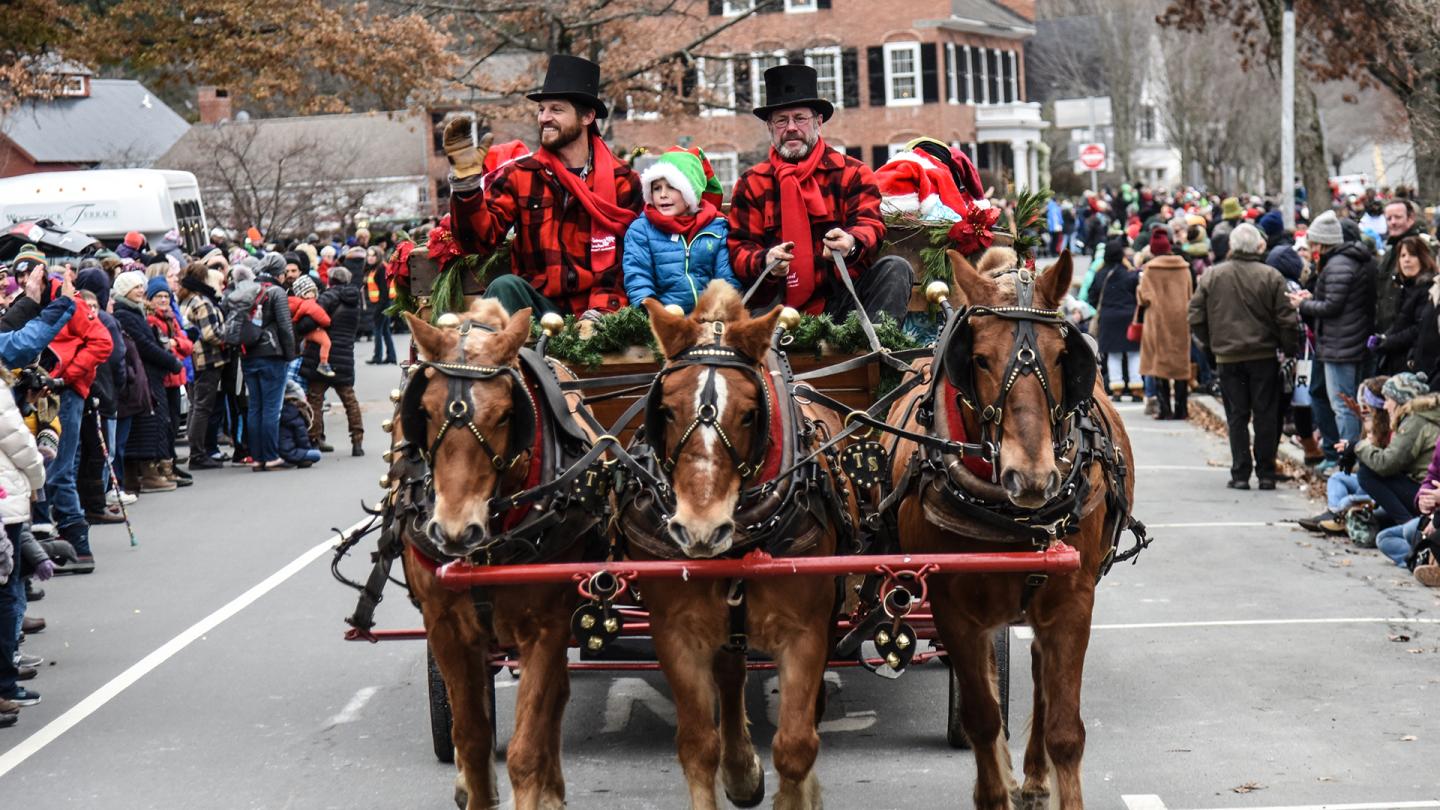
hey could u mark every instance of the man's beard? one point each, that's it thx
(560, 138)
(798, 150)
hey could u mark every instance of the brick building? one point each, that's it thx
(948, 69)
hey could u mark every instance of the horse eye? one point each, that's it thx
(668, 414)
(981, 362)
(748, 419)
(504, 419)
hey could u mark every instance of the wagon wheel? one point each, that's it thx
(441, 720)
(954, 727)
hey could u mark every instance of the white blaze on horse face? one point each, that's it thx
(703, 507)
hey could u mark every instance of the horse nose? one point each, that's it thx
(1020, 486)
(457, 546)
(702, 544)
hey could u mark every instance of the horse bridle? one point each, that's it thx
(460, 406)
(711, 358)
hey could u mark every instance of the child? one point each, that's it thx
(678, 247)
(302, 304)
(295, 415)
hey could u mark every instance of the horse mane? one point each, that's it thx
(489, 312)
(719, 302)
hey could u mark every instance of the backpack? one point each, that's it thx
(239, 327)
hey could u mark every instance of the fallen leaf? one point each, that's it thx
(1409, 738)
(1248, 787)
(1399, 637)
(1345, 561)
(1414, 651)
(1325, 779)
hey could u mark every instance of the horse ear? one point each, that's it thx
(972, 287)
(429, 339)
(752, 335)
(509, 340)
(675, 333)
(1054, 283)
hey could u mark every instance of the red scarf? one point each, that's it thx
(687, 225)
(607, 219)
(800, 199)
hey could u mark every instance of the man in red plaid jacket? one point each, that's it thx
(807, 201)
(569, 202)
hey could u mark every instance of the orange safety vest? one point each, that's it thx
(372, 290)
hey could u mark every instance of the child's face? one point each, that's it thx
(310, 294)
(666, 198)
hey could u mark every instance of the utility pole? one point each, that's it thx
(1094, 183)
(1287, 117)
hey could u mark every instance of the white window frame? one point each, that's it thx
(708, 110)
(757, 74)
(952, 75)
(891, 48)
(895, 149)
(801, 6)
(1014, 76)
(984, 75)
(970, 97)
(832, 53)
(734, 8)
(717, 159)
(72, 86)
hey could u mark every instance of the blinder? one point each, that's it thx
(459, 377)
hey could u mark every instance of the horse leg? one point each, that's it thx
(461, 646)
(533, 758)
(972, 656)
(686, 643)
(740, 770)
(1064, 641)
(1035, 793)
(801, 658)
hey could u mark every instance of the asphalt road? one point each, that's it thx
(1241, 663)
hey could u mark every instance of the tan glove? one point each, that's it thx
(466, 155)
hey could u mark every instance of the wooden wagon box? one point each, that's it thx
(855, 388)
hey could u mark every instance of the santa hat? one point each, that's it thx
(927, 175)
(687, 171)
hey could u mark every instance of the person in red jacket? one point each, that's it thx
(78, 351)
(303, 305)
(161, 317)
(569, 203)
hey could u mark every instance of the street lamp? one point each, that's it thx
(1287, 117)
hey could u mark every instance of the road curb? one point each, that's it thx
(1207, 412)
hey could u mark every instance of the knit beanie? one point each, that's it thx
(157, 285)
(125, 282)
(1160, 241)
(97, 282)
(134, 240)
(303, 286)
(687, 171)
(1405, 386)
(1273, 224)
(1287, 261)
(1325, 230)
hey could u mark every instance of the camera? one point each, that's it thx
(34, 379)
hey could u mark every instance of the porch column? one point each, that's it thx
(1021, 171)
(1035, 176)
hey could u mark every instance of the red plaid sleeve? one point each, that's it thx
(862, 215)
(483, 218)
(747, 226)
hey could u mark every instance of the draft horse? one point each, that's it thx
(732, 453)
(1011, 372)
(481, 469)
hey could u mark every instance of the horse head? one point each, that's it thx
(1019, 368)
(708, 417)
(468, 410)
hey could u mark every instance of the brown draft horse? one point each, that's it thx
(707, 436)
(533, 618)
(968, 608)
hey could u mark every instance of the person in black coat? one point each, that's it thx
(1425, 354)
(149, 443)
(1414, 271)
(1112, 294)
(342, 303)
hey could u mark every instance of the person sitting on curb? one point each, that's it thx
(1342, 489)
(1392, 474)
(295, 418)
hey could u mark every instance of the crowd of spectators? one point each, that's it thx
(130, 371)
(1326, 335)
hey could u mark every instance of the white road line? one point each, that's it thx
(1181, 468)
(352, 709)
(1213, 525)
(1150, 802)
(1153, 802)
(55, 728)
(1025, 633)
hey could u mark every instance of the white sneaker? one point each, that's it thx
(116, 496)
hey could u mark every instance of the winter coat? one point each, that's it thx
(80, 348)
(294, 433)
(1387, 305)
(23, 345)
(1343, 307)
(1410, 297)
(110, 378)
(342, 303)
(134, 396)
(1240, 311)
(180, 346)
(22, 470)
(1425, 354)
(306, 308)
(151, 436)
(1412, 442)
(1164, 292)
(277, 338)
(672, 270)
(203, 325)
(1112, 294)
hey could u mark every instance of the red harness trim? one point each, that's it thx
(532, 479)
(776, 452)
(978, 467)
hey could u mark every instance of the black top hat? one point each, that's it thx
(793, 86)
(573, 79)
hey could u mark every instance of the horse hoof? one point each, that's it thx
(1030, 800)
(462, 796)
(752, 800)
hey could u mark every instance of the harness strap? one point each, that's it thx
(739, 641)
(844, 272)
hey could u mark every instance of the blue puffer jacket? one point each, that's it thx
(665, 267)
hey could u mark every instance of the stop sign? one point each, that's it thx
(1092, 156)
